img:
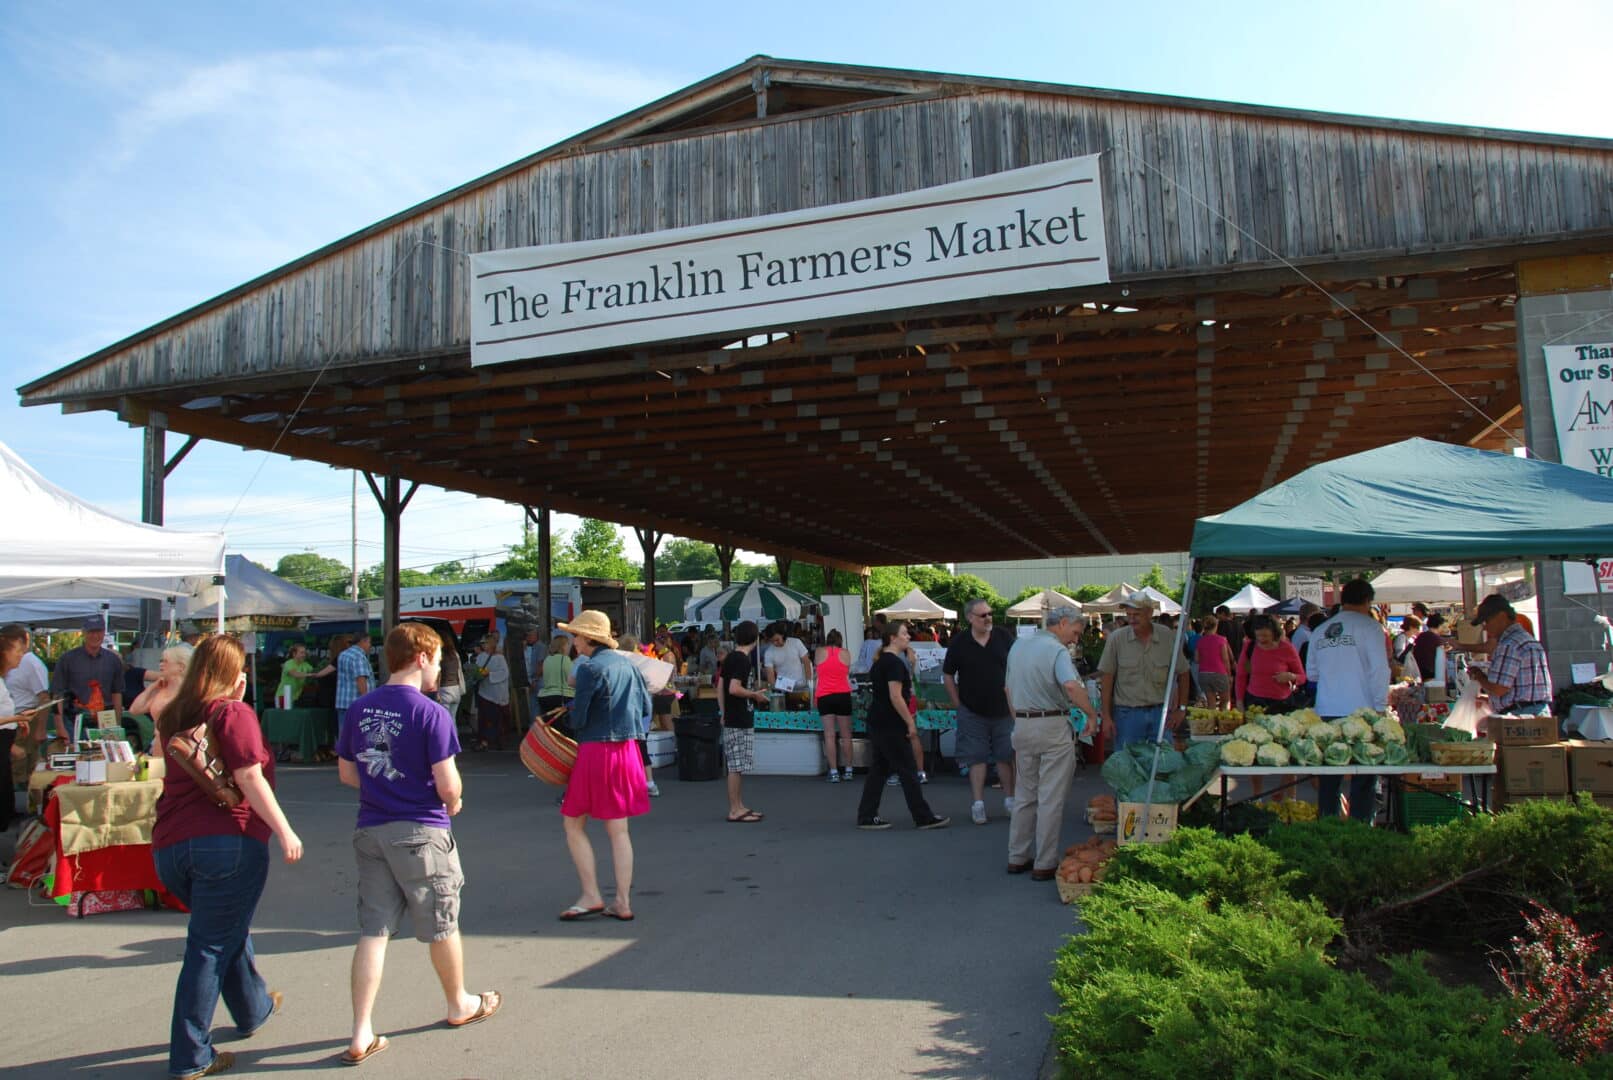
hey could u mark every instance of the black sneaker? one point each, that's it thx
(936, 823)
(876, 823)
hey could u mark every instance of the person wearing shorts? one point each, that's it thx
(1213, 655)
(397, 747)
(609, 714)
(737, 699)
(834, 705)
(975, 670)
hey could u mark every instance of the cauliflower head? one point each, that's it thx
(1271, 755)
(1253, 733)
(1237, 752)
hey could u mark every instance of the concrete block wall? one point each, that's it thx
(1566, 626)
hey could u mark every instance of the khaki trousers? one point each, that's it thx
(1044, 762)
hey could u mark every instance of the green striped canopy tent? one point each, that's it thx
(763, 601)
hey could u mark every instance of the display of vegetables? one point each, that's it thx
(1304, 751)
(1387, 730)
(1252, 733)
(1365, 753)
(1238, 752)
(1177, 777)
(1337, 753)
(1083, 863)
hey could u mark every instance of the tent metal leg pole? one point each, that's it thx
(1170, 678)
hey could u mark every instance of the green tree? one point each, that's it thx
(450, 573)
(521, 563)
(596, 549)
(682, 559)
(372, 580)
(317, 572)
(886, 585)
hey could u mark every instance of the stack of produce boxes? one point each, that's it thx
(1533, 764)
(1590, 769)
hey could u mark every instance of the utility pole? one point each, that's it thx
(354, 593)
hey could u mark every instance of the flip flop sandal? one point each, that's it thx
(350, 1058)
(490, 1003)
(749, 817)
(612, 913)
(575, 912)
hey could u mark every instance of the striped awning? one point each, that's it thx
(758, 600)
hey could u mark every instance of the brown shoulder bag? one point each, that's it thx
(195, 750)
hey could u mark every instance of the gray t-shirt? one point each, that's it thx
(786, 659)
(77, 669)
(1038, 668)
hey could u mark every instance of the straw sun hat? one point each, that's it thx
(594, 625)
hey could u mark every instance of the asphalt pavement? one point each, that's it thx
(795, 947)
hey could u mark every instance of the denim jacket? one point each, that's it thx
(612, 703)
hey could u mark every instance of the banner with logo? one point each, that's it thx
(1022, 231)
(1581, 378)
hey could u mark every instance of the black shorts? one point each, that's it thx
(661, 705)
(834, 705)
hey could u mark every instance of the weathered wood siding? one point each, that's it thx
(1185, 191)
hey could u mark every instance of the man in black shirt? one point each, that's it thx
(737, 697)
(974, 671)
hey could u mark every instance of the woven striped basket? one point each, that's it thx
(548, 755)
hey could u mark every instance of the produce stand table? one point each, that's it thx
(1396, 774)
(308, 729)
(102, 835)
(935, 720)
(39, 782)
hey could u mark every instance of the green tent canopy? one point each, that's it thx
(762, 601)
(1415, 503)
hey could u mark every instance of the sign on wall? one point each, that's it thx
(1026, 230)
(1581, 378)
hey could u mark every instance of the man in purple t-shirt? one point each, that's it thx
(397, 747)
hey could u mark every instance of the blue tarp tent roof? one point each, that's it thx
(1415, 503)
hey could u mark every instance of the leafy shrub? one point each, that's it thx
(1556, 988)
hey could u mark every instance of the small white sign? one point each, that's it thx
(1035, 229)
(1583, 673)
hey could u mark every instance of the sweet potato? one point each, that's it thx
(1084, 874)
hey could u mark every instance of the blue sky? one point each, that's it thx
(161, 153)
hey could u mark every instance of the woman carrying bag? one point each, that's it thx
(215, 858)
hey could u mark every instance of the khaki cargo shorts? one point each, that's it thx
(404, 866)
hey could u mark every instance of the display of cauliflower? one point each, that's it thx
(1322, 733)
(1389, 730)
(1395, 753)
(1271, 755)
(1306, 717)
(1284, 729)
(1238, 752)
(1365, 753)
(1354, 729)
(1337, 753)
(1253, 733)
(1305, 751)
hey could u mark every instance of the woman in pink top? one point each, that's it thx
(1269, 669)
(1214, 655)
(832, 666)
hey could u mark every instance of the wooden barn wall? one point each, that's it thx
(1303, 189)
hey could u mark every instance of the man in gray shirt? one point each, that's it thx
(79, 668)
(1042, 684)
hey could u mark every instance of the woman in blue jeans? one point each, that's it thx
(216, 859)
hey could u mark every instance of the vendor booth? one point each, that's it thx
(1463, 507)
(1034, 607)
(758, 601)
(915, 605)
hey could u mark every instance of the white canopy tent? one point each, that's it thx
(1109, 602)
(120, 613)
(1034, 607)
(56, 546)
(1163, 605)
(915, 605)
(256, 592)
(1251, 598)
(1407, 585)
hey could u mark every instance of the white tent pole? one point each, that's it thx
(1170, 679)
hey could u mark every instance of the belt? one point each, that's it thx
(1034, 713)
(1527, 704)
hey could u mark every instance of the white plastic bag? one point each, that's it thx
(1468, 712)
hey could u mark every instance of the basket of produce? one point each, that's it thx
(1102, 813)
(1476, 752)
(1202, 721)
(1082, 867)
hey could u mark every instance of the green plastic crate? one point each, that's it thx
(1428, 808)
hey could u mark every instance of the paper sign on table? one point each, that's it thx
(1583, 673)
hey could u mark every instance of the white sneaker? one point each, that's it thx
(654, 789)
(834, 776)
(893, 781)
(845, 774)
(1008, 804)
(977, 812)
(924, 777)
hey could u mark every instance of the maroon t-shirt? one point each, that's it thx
(184, 812)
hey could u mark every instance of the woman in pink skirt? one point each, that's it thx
(608, 716)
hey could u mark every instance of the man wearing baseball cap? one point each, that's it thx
(1132, 672)
(1517, 678)
(83, 671)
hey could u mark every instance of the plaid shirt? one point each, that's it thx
(351, 666)
(1519, 661)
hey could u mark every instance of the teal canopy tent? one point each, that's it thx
(1415, 503)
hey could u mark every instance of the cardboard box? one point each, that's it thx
(1590, 766)
(1500, 800)
(1533, 770)
(1146, 823)
(90, 771)
(1523, 730)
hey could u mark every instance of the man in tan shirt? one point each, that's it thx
(1133, 672)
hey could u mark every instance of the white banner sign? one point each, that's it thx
(1581, 378)
(1578, 580)
(1028, 230)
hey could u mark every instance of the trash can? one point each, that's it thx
(699, 747)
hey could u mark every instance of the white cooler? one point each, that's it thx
(789, 753)
(663, 749)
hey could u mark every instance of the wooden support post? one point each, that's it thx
(540, 521)
(392, 505)
(867, 604)
(151, 490)
(828, 579)
(784, 564)
(649, 540)
(725, 562)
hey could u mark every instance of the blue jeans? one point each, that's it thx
(220, 879)
(1363, 797)
(1135, 723)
